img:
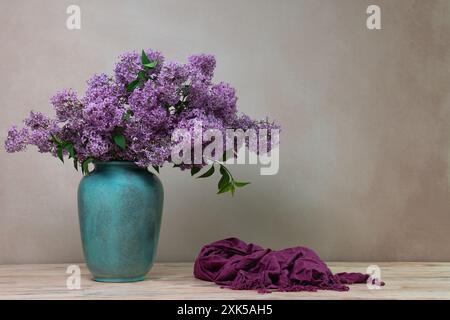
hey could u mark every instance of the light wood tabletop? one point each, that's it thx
(404, 280)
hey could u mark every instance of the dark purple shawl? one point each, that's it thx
(236, 265)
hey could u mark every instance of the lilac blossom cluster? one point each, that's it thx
(131, 116)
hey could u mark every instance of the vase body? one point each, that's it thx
(120, 209)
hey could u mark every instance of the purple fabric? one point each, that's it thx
(235, 264)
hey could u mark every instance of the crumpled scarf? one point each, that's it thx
(234, 264)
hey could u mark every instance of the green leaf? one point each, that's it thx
(208, 173)
(225, 179)
(69, 147)
(59, 152)
(119, 139)
(156, 168)
(225, 188)
(151, 64)
(142, 77)
(224, 170)
(144, 57)
(195, 170)
(85, 165)
(132, 85)
(240, 184)
(146, 62)
(75, 163)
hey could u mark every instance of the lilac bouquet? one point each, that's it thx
(133, 115)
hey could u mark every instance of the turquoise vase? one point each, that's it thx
(120, 208)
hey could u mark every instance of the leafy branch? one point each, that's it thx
(142, 76)
(227, 183)
(85, 165)
(68, 146)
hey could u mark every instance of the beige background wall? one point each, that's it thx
(365, 146)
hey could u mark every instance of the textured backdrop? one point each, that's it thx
(365, 116)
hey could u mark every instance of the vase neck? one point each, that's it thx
(116, 165)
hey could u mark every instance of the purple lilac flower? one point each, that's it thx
(102, 88)
(201, 67)
(128, 67)
(40, 129)
(173, 73)
(169, 83)
(37, 120)
(103, 117)
(97, 145)
(17, 139)
(145, 105)
(66, 105)
(243, 122)
(172, 96)
(222, 102)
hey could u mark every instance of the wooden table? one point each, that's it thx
(405, 280)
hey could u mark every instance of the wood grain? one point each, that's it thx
(405, 280)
